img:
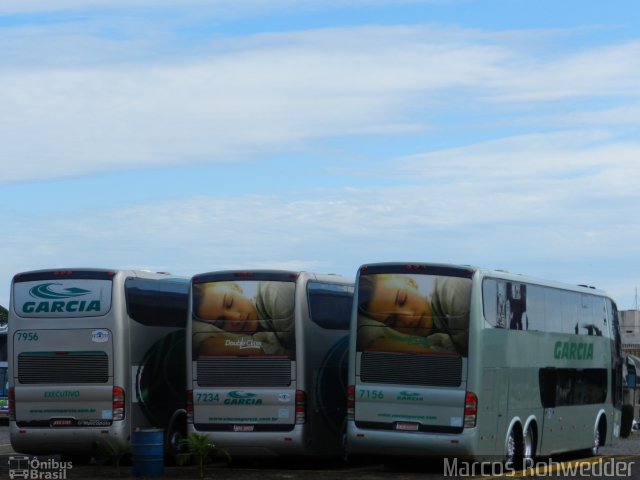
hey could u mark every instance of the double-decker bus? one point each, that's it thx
(4, 379)
(268, 361)
(458, 361)
(94, 355)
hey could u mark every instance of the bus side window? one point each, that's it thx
(491, 303)
(570, 305)
(330, 304)
(535, 308)
(548, 381)
(517, 305)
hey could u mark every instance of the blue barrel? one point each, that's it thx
(147, 452)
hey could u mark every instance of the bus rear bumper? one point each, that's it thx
(392, 443)
(84, 441)
(262, 444)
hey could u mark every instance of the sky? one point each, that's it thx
(320, 135)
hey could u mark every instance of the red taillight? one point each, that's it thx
(62, 273)
(12, 404)
(351, 402)
(118, 403)
(301, 407)
(470, 410)
(190, 406)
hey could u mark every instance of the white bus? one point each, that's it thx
(457, 361)
(94, 355)
(268, 361)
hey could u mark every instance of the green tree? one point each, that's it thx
(4, 314)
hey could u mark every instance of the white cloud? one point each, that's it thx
(270, 93)
(490, 209)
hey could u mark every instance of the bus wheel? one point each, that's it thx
(528, 447)
(599, 435)
(513, 448)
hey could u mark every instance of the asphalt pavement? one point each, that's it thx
(619, 461)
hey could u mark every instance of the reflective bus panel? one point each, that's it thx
(268, 357)
(460, 361)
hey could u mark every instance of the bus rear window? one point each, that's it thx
(243, 317)
(62, 297)
(414, 313)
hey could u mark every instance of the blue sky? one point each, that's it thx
(201, 135)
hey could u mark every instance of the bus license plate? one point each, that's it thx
(243, 428)
(407, 426)
(62, 422)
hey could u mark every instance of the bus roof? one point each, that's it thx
(470, 270)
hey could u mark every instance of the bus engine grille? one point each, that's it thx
(66, 367)
(404, 369)
(244, 371)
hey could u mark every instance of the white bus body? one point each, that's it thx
(95, 354)
(456, 361)
(276, 387)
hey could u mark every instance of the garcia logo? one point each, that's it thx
(573, 351)
(410, 396)
(44, 290)
(60, 298)
(238, 397)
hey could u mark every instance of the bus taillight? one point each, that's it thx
(118, 403)
(12, 404)
(189, 406)
(470, 410)
(351, 402)
(301, 407)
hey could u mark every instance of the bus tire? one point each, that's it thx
(599, 436)
(529, 441)
(513, 452)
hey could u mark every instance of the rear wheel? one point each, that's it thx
(529, 446)
(599, 435)
(514, 448)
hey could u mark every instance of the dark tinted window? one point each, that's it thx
(157, 302)
(570, 386)
(521, 306)
(3, 381)
(330, 304)
(3, 347)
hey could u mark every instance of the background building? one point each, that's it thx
(630, 332)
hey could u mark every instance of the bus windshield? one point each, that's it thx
(413, 313)
(243, 317)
